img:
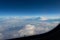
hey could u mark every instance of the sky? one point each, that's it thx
(46, 8)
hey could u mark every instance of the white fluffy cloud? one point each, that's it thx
(32, 30)
(27, 30)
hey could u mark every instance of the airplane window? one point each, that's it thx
(21, 18)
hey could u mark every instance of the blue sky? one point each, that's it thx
(30, 8)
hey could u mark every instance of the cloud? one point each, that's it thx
(1, 36)
(32, 30)
(29, 27)
(11, 22)
(27, 30)
(26, 17)
(15, 35)
(43, 18)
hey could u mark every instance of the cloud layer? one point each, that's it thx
(13, 27)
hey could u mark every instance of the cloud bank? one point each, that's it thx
(13, 27)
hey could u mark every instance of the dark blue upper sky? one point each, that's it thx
(29, 7)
